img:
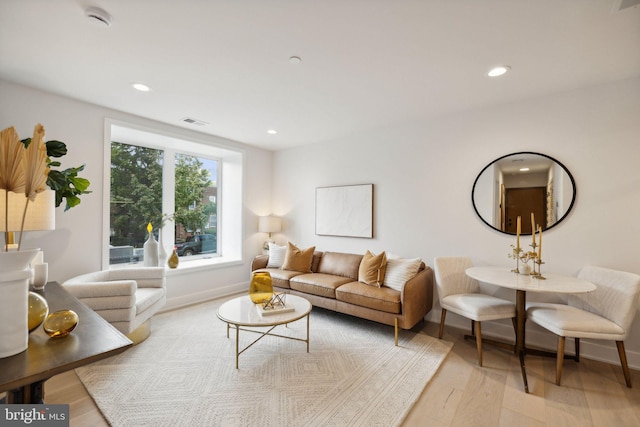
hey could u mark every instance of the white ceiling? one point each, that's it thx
(365, 63)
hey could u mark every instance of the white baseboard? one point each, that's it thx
(208, 295)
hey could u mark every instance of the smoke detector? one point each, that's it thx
(98, 16)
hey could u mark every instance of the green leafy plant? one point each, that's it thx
(66, 182)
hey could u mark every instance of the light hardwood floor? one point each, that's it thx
(464, 394)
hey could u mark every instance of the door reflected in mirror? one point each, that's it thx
(520, 184)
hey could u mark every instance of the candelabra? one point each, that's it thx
(535, 254)
(516, 253)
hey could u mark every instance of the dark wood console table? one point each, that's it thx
(23, 375)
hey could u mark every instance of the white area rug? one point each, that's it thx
(184, 374)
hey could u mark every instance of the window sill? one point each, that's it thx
(190, 265)
(203, 264)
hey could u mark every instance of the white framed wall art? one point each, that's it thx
(345, 210)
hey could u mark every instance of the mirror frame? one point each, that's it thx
(558, 221)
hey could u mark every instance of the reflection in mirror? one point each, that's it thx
(520, 184)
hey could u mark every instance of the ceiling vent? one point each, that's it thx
(98, 16)
(196, 122)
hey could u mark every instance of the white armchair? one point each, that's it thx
(126, 298)
(605, 314)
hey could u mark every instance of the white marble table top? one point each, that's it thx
(241, 311)
(554, 283)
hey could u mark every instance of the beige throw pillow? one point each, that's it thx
(372, 269)
(298, 260)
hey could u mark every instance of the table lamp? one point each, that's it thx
(269, 224)
(40, 216)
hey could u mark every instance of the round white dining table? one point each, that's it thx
(552, 283)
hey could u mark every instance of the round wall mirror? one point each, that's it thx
(522, 184)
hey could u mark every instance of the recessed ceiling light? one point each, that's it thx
(295, 59)
(524, 169)
(272, 131)
(498, 71)
(141, 87)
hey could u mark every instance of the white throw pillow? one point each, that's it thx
(276, 255)
(399, 271)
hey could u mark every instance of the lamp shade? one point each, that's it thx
(40, 212)
(269, 224)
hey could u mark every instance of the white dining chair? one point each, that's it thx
(604, 314)
(461, 294)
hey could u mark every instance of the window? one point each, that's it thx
(174, 184)
(136, 199)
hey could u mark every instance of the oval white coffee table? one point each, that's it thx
(241, 313)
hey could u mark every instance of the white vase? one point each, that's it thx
(162, 252)
(151, 252)
(525, 269)
(15, 274)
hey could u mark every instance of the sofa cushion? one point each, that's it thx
(382, 299)
(320, 284)
(276, 255)
(298, 259)
(315, 261)
(339, 264)
(146, 297)
(372, 268)
(399, 271)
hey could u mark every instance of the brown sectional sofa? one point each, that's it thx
(333, 285)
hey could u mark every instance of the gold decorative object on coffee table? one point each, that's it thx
(261, 287)
(276, 302)
(275, 305)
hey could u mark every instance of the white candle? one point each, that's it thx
(540, 244)
(533, 230)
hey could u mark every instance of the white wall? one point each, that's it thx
(75, 246)
(423, 173)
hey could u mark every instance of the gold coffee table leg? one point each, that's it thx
(237, 345)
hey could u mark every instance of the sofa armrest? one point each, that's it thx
(116, 288)
(259, 261)
(145, 277)
(417, 296)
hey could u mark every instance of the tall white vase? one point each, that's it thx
(162, 252)
(151, 251)
(15, 274)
